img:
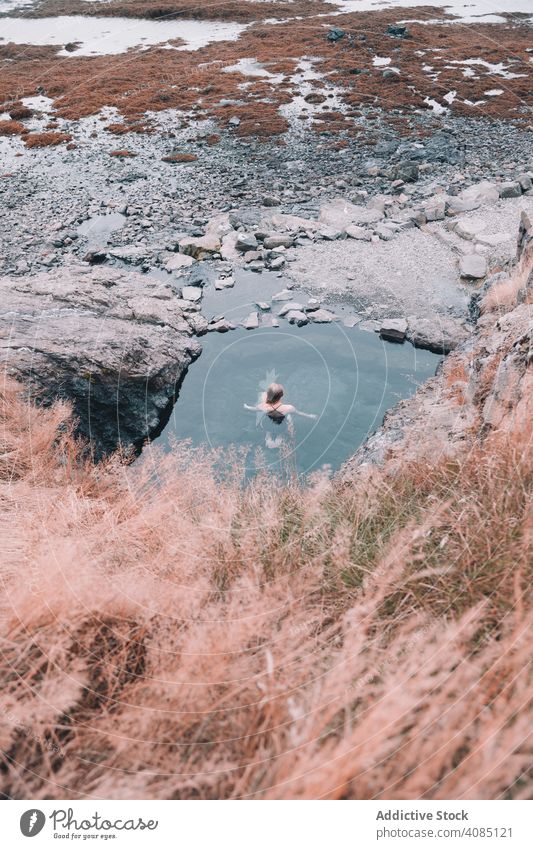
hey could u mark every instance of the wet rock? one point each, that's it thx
(393, 329)
(114, 344)
(220, 326)
(251, 322)
(473, 266)
(297, 317)
(291, 306)
(224, 283)
(284, 295)
(510, 190)
(322, 316)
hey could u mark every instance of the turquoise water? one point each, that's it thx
(347, 377)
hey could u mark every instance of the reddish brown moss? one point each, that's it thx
(122, 154)
(179, 157)
(12, 128)
(46, 139)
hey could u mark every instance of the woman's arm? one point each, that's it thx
(305, 415)
(255, 409)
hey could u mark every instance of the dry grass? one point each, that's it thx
(48, 139)
(169, 634)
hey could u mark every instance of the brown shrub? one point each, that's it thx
(12, 128)
(46, 139)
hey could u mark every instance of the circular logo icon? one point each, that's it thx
(32, 822)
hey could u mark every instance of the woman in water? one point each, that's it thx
(271, 404)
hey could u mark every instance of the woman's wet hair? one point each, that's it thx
(274, 393)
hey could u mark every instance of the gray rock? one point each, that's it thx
(191, 293)
(439, 334)
(178, 261)
(525, 182)
(473, 266)
(234, 121)
(297, 317)
(484, 192)
(393, 329)
(384, 232)
(251, 322)
(510, 190)
(133, 254)
(277, 263)
(335, 34)
(220, 326)
(246, 242)
(354, 231)
(115, 344)
(322, 316)
(286, 308)
(278, 240)
(470, 228)
(435, 210)
(270, 200)
(407, 171)
(284, 295)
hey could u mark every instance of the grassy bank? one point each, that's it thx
(169, 635)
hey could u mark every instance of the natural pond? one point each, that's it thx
(347, 377)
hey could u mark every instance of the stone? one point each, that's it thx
(288, 307)
(132, 254)
(246, 242)
(262, 305)
(278, 240)
(393, 329)
(398, 31)
(384, 232)
(470, 228)
(393, 74)
(330, 234)
(435, 210)
(191, 293)
(335, 34)
(200, 247)
(312, 304)
(407, 171)
(96, 257)
(234, 121)
(510, 190)
(439, 334)
(456, 205)
(270, 200)
(251, 322)
(322, 316)
(525, 182)
(79, 334)
(220, 326)
(277, 263)
(297, 317)
(354, 231)
(484, 192)
(284, 295)
(224, 283)
(473, 266)
(178, 261)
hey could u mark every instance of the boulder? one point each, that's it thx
(132, 254)
(246, 242)
(393, 329)
(439, 334)
(200, 247)
(407, 171)
(322, 316)
(510, 190)
(220, 326)
(288, 307)
(484, 192)
(113, 343)
(473, 266)
(191, 293)
(335, 34)
(435, 210)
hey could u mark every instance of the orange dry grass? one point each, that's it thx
(169, 634)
